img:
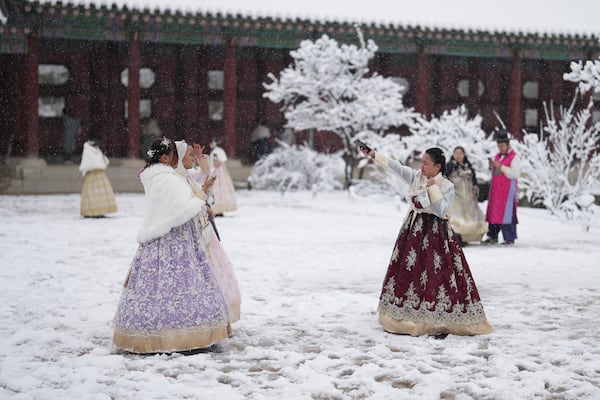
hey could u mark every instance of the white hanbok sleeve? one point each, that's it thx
(406, 173)
(514, 170)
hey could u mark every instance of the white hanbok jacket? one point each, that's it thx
(434, 199)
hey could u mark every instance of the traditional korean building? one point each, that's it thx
(199, 74)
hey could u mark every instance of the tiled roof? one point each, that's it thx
(508, 16)
(204, 22)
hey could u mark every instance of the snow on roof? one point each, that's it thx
(574, 17)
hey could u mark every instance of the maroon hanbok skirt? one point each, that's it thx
(428, 288)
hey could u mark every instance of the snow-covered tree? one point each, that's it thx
(587, 75)
(561, 167)
(328, 87)
(298, 167)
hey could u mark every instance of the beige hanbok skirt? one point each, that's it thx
(97, 196)
(465, 216)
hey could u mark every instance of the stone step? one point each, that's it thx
(34, 176)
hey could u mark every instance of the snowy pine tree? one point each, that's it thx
(328, 88)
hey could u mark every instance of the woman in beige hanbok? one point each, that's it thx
(466, 218)
(97, 196)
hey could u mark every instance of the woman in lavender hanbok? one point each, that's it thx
(200, 182)
(171, 300)
(428, 288)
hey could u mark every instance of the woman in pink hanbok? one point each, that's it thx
(200, 182)
(428, 288)
(223, 188)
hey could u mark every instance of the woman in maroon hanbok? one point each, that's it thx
(428, 288)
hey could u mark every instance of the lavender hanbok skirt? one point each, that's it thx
(171, 300)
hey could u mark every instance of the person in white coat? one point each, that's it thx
(171, 301)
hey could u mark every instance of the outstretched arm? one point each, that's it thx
(405, 172)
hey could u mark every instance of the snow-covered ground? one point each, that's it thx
(310, 270)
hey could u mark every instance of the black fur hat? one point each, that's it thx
(501, 136)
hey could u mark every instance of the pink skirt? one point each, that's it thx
(224, 192)
(226, 278)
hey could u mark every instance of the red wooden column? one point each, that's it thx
(551, 88)
(229, 100)
(423, 83)
(133, 97)
(115, 143)
(187, 86)
(202, 136)
(558, 85)
(99, 95)
(473, 101)
(31, 96)
(515, 112)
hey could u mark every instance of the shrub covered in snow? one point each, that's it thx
(562, 165)
(298, 167)
(451, 129)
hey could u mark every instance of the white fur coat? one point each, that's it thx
(219, 154)
(91, 159)
(169, 202)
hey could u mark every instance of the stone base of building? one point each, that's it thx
(36, 176)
